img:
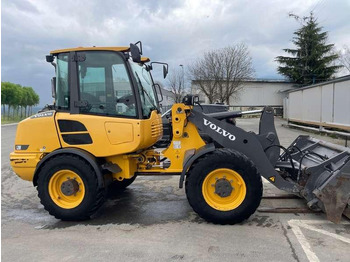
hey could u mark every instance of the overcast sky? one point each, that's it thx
(176, 32)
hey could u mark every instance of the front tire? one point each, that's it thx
(68, 188)
(224, 187)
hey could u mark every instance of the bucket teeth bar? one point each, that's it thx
(335, 193)
(323, 169)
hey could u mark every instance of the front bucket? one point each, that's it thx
(322, 170)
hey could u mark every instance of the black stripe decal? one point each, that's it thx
(71, 126)
(77, 139)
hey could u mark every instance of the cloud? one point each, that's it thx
(176, 32)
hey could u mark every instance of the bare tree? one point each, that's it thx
(344, 57)
(236, 69)
(177, 84)
(205, 73)
(221, 73)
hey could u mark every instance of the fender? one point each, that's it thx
(81, 153)
(188, 162)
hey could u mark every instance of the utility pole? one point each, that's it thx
(183, 77)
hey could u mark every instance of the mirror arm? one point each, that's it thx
(160, 92)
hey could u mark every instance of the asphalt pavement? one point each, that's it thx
(152, 221)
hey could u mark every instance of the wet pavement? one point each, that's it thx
(152, 221)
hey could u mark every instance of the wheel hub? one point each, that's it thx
(223, 187)
(70, 187)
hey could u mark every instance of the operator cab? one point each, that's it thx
(105, 81)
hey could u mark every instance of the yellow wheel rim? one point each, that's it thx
(234, 193)
(66, 189)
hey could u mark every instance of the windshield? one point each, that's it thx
(145, 86)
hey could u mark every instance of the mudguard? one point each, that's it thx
(81, 153)
(188, 162)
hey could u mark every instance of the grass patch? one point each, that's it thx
(12, 120)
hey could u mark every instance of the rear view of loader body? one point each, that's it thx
(101, 133)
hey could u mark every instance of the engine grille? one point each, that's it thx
(156, 129)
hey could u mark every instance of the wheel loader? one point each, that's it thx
(101, 130)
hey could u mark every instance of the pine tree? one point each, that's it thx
(312, 60)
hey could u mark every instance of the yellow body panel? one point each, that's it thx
(96, 48)
(127, 164)
(121, 141)
(39, 132)
(114, 136)
(24, 164)
(186, 140)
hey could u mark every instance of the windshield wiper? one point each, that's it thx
(144, 91)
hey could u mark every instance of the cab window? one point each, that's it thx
(62, 90)
(105, 85)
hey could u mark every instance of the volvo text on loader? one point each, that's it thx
(104, 123)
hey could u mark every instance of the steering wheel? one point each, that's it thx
(92, 102)
(127, 100)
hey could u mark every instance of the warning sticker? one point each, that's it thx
(272, 178)
(177, 144)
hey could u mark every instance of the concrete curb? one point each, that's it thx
(9, 124)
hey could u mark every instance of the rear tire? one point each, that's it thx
(83, 196)
(224, 187)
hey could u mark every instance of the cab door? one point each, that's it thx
(101, 114)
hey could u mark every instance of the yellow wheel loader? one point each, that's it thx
(101, 131)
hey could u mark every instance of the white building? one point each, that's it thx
(168, 99)
(325, 104)
(255, 93)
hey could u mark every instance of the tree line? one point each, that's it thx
(17, 100)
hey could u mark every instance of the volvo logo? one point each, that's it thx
(219, 129)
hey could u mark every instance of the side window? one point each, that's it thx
(122, 91)
(62, 90)
(104, 84)
(92, 83)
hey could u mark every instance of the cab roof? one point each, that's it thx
(94, 48)
(107, 48)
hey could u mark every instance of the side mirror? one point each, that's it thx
(159, 92)
(135, 53)
(53, 87)
(165, 71)
(50, 58)
(165, 67)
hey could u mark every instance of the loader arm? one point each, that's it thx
(262, 149)
(315, 170)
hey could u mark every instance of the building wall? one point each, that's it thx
(261, 94)
(255, 93)
(168, 100)
(326, 104)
